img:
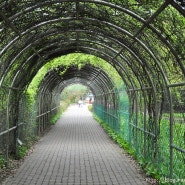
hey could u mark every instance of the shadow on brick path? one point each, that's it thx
(76, 151)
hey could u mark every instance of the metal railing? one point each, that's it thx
(154, 143)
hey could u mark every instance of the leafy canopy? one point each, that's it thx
(78, 59)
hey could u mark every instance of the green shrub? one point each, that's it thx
(90, 107)
(117, 138)
(55, 118)
(21, 152)
(2, 162)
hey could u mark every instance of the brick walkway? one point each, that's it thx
(76, 151)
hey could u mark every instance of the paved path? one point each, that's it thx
(76, 151)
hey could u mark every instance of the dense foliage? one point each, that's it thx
(68, 60)
(139, 43)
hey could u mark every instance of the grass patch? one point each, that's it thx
(2, 162)
(63, 107)
(149, 168)
(118, 139)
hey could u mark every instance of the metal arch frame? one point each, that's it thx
(116, 54)
(140, 83)
(146, 24)
(107, 57)
(86, 1)
(142, 45)
(142, 28)
(93, 77)
(97, 77)
(86, 41)
(121, 66)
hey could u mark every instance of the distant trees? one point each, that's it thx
(75, 92)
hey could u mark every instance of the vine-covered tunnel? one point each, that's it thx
(142, 40)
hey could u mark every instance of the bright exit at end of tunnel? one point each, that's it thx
(123, 59)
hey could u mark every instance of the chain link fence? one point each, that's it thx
(22, 121)
(157, 140)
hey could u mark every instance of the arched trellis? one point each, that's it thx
(56, 80)
(132, 37)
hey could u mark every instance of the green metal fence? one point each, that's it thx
(150, 139)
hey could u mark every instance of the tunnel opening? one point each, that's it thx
(76, 92)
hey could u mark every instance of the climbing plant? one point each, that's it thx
(68, 60)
